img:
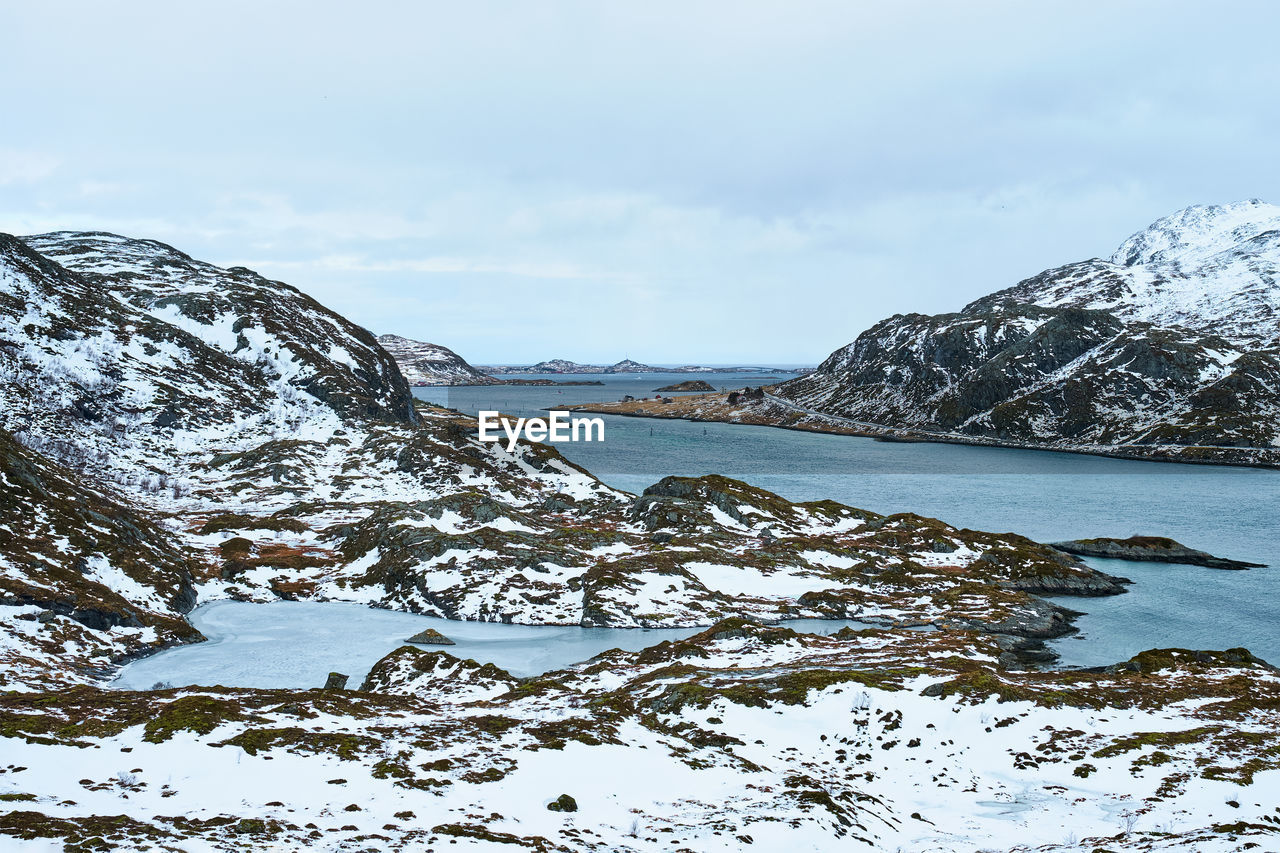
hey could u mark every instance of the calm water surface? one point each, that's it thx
(1232, 512)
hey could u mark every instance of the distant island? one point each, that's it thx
(429, 365)
(560, 365)
(688, 385)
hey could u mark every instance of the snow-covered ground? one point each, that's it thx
(174, 433)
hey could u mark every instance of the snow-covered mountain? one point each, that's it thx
(102, 336)
(277, 447)
(1168, 349)
(1212, 269)
(172, 433)
(431, 364)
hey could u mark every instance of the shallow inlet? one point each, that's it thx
(296, 644)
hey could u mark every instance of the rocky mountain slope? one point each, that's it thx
(173, 433)
(110, 345)
(85, 581)
(431, 364)
(1169, 349)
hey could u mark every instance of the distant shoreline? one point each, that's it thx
(496, 370)
(714, 408)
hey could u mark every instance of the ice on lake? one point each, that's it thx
(296, 644)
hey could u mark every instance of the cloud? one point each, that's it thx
(681, 182)
(438, 265)
(25, 167)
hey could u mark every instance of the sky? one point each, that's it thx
(673, 182)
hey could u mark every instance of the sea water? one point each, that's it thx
(1047, 496)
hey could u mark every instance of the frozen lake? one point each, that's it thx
(296, 644)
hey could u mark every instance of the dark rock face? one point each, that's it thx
(1150, 549)
(1022, 652)
(66, 541)
(336, 681)
(1155, 660)
(1039, 620)
(1092, 585)
(1173, 353)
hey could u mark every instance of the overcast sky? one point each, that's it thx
(733, 182)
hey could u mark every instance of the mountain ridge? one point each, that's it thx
(1172, 356)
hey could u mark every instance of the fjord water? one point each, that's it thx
(1047, 496)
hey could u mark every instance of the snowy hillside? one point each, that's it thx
(1169, 350)
(1208, 268)
(431, 364)
(110, 345)
(172, 433)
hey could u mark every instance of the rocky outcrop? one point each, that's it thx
(563, 803)
(1167, 353)
(1150, 549)
(438, 676)
(430, 637)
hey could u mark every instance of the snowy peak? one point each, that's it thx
(1169, 349)
(109, 254)
(1198, 232)
(629, 366)
(1211, 269)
